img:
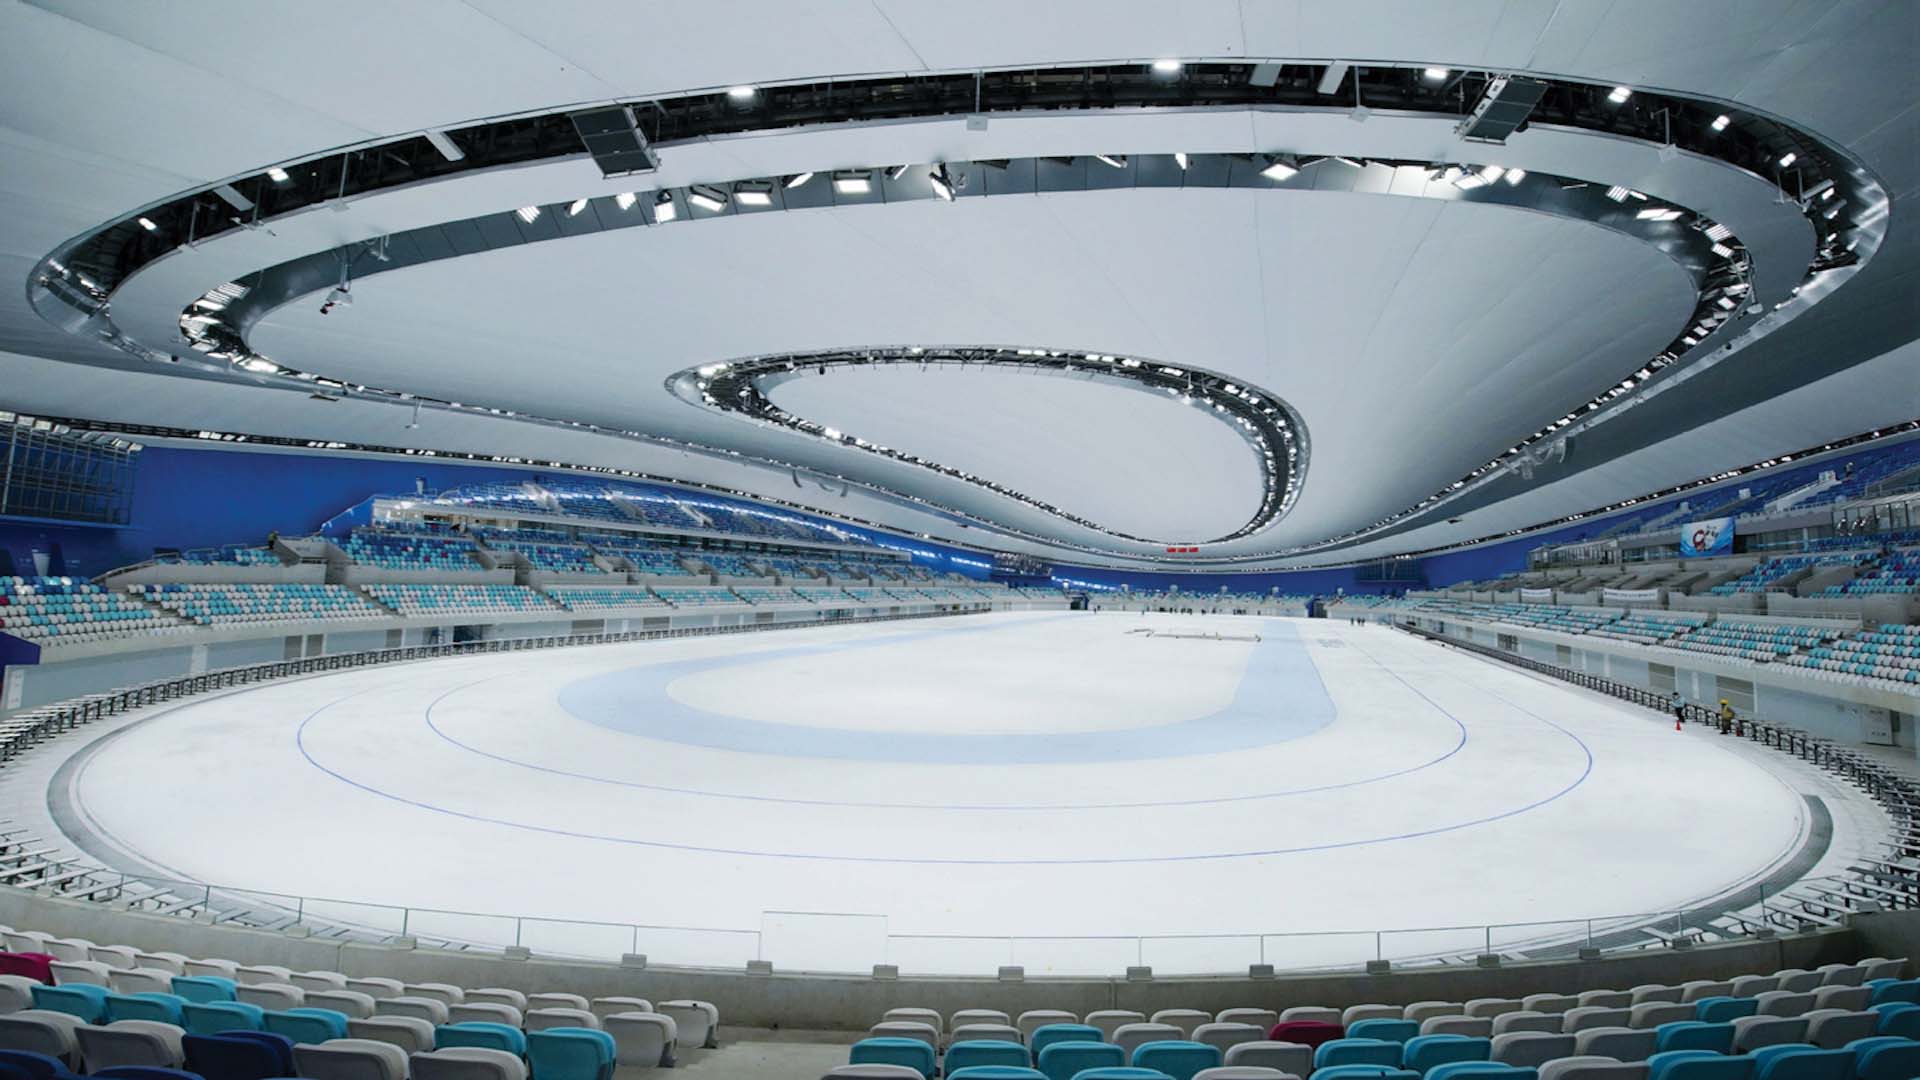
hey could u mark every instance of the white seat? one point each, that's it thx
(929, 1017)
(81, 972)
(1295, 1059)
(71, 950)
(1621, 1044)
(211, 966)
(1492, 1007)
(1550, 1003)
(350, 1059)
(141, 981)
(1841, 974)
(1880, 967)
(1754, 1032)
(466, 1063)
(276, 996)
(711, 1033)
(1128, 1037)
(1603, 999)
(25, 940)
(1422, 1011)
(375, 987)
(1527, 1020)
(16, 992)
(409, 1033)
(497, 995)
(556, 1001)
(114, 956)
(1651, 1014)
(1184, 1019)
(428, 1009)
(601, 1007)
(542, 1019)
(446, 992)
(130, 1042)
(1034, 1019)
(1593, 1068)
(1225, 1036)
(1782, 1003)
(1531, 1048)
(1353, 1014)
(963, 1017)
(1480, 1027)
(1753, 985)
(1318, 1014)
(1655, 992)
(1850, 998)
(643, 1039)
(256, 974)
(1833, 1029)
(1576, 1020)
(1697, 989)
(318, 980)
(485, 1012)
(161, 961)
(906, 1029)
(996, 1032)
(351, 1003)
(1112, 1020)
(42, 1031)
(1799, 980)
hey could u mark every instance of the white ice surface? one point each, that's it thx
(1556, 804)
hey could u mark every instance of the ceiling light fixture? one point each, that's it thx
(277, 174)
(1118, 161)
(752, 194)
(742, 93)
(1180, 159)
(1514, 176)
(852, 183)
(1167, 67)
(625, 200)
(1619, 95)
(1618, 193)
(574, 208)
(1280, 168)
(798, 179)
(1788, 159)
(896, 172)
(1436, 74)
(942, 182)
(147, 224)
(664, 209)
(1720, 122)
(528, 213)
(707, 198)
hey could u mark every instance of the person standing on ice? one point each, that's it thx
(1679, 706)
(1726, 717)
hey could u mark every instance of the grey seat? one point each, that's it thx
(1591, 1068)
(130, 1042)
(1492, 1007)
(213, 965)
(543, 1019)
(1531, 1048)
(410, 1033)
(428, 1009)
(16, 992)
(995, 1032)
(1264, 1019)
(1580, 1019)
(963, 1017)
(1112, 1020)
(255, 974)
(1184, 1019)
(140, 981)
(118, 957)
(1550, 1003)
(1619, 1043)
(1754, 1032)
(1242, 1072)
(1527, 1020)
(1318, 1014)
(271, 996)
(351, 1003)
(601, 1007)
(1224, 1037)
(319, 980)
(85, 972)
(1880, 967)
(446, 992)
(1605, 999)
(929, 1017)
(644, 1039)
(350, 1059)
(1782, 1003)
(1129, 1036)
(162, 961)
(1841, 974)
(497, 995)
(42, 1031)
(468, 1063)
(1654, 992)
(1850, 998)
(1696, 989)
(694, 1024)
(1753, 985)
(1832, 1029)
(872, 1072)
(376, 987)
(1422, 1011)
(557, 1001)
(1476, 1026)
(1353, 1014)
(1652, 1014)
(1799, 980)
(1295, 1059)
(490, 1012)
(713, 1021)
(906, 1029)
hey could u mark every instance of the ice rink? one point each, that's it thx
(1061, 790)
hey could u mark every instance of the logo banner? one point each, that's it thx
(1536, 596)
(1713, 536)
(1631, 596)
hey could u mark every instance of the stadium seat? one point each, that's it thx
(1129, 1037)
(986, 1052)
(1291, 1058)
(305, 1025)
(1831, 1029)
(974, 1072)
(481, 1033)
(1178, 1059)
(1356, 1051)
(351, 1059)
(165, 1008)
(1392, 1030)
(465, 1063)
(697, 1021)
(205, 989)
(571, 1054)
(1531, 1048)
(1752, 1032)
(1695, 1035)
(1306, 1032)
(1802, 1062)
(236, 1057)
(1225, 1036)
(143, 1072)
(409, 1033)
(1049, 1034)
(1698, 1065)
(351, 1004)
(911, 1053)
(644, 1039)
(89, 1003)
(1885, 1057)
(1264, 1019)
(1426, 1051)
(130, 1042)
(1066, 1060)
(218, 1016)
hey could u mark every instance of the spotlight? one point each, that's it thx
(852, 183)
(1167, 67)
(1788, 159)
(1723, 251)
(797, 179)
(753, 194)
(742, 93)
(664, 209)
(1180, 160)
(1514, 176)
(1720, 122)
(445, 145)
(1618, 193)
(625, 200)
(528, 213)
(147, 224)
(1118, 161)
(707, 198)
(1619, 95)
(1280, 168)
(1657, 213)
(896, 172)
(942, 182)
(1717, 231)
(277, 174)
(1436, 74)
(574, 208)
(260, 365)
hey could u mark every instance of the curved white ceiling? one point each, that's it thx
(177, 105)
(1133, 460)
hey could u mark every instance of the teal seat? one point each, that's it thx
(1181, 1059)
(203, 988)
(214, 1017)
(481, 1033)
(1048, 1034)
(1694, 1035)
(995, 1072)
(146, 1006)
(89, 1003)
(1698, 1065)
(1364, 1072)
(307, 1026)
(1904, 1022)
(1885, 1057)
(1801, 1061)
(1399, 1031)
(1480, 1070)
(977, 1052)
(571, 1053)
(1356, 1051)
(1425, 1052)
(1720, 1010)
(1066, 1060)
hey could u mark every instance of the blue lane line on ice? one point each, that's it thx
(1279, 697)
(1586, 771)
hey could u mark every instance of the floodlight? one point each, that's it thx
(528, 213)
(797, 179)
(1280, 168)
(277, 174)
(1619, 94)
(147, 224)
(754, 194)
(1720, 122)
(707, 198)
(625, 200)
(742, 93)
(1436, 74)
(852, 183)
(1788, 159)
(1167, 67)
(574, 208)
(664, 209)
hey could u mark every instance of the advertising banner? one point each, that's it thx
(1536, 596)
(1713, 536)
(1630, 596)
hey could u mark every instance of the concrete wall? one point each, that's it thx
(834, 1002)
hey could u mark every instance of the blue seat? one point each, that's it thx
(571, 1053)
(978, 1052)
(1694, 1035)
(1048, 1034)
(239, 1055)
(1065, 1060)
(1364, 1072)
(1425, 1052)
(1178, 1058)
(1353, 1051)
(143, 1072)
(1391, 1030)
(38, 1066)
(1801, 1061)
(1885, 1057)
(1893, 1020)
(1698, 1065)
(214, 1017)
(307, 1026)
(888, 1050)
(1719, 1010)
(481, 1033)
(1480, 1070)
(1891, 990)
(203, 988)
(145, 1006)
(995, 1072)
(89, 1003)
